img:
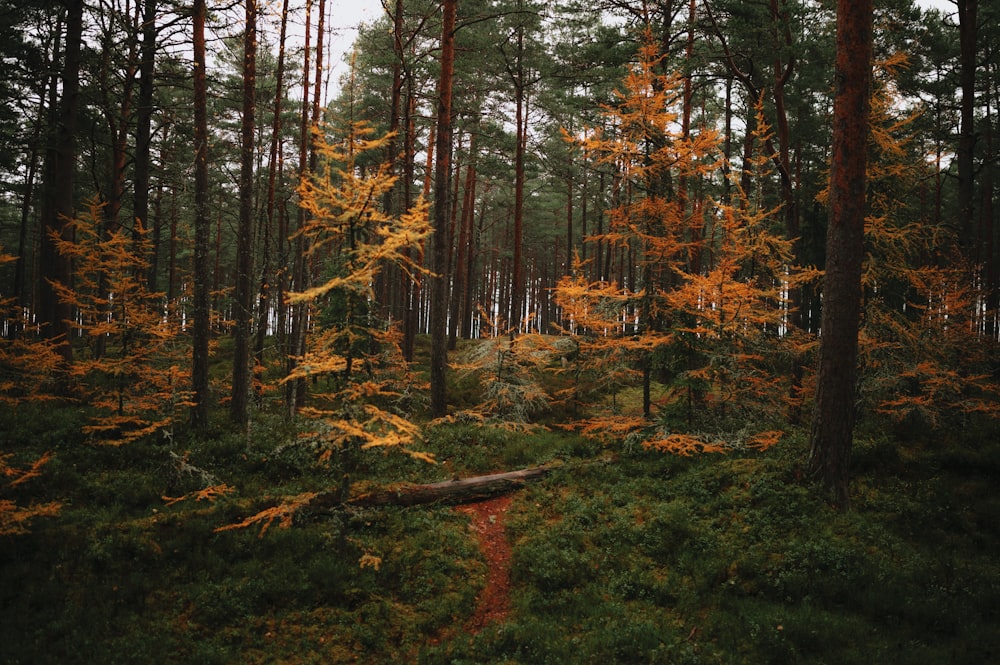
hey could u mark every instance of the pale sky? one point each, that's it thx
(346, 15)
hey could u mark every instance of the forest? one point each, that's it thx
(530, 332)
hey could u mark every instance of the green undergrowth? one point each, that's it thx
(619, 555)
(734, 559)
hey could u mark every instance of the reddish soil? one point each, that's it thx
(488, 518)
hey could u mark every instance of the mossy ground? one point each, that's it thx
(619, 556)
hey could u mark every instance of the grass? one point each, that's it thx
(619, 556)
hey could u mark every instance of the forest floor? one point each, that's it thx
(632, 557)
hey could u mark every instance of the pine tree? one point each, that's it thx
(834, 416)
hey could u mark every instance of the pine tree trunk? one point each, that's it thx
(833, 419)
(439, 255)
(297, 312)
(266, 288)
(60, 171)
(243, 307)
(201, 310)
(517, 284)
(20, 266)
(463, 252)
(144, 128)
(989, 221)
(967, 37)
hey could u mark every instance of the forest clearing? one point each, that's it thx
(627, 331)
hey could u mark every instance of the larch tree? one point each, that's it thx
(15, 518)
(621, 321)
(835, 410)
(361, 386)
(923, 356)
(128, 368)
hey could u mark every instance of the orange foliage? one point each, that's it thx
(922, 352)
(14, 519)
(362, 386)
(709, 308)
(210, 493)
(28, 362)
(130, 372)
(683, 444)
(284, 513)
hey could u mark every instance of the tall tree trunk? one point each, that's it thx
(60, 170)
(144, 128)
(296, 337)
(118, 124)
(243, 307)
(463, 252)
(413, 293)
(989, 213)
(275, 160)
(517, 285)
(20, 267)
(833, 420)
(439, 256)
(201, 310)
(967, 38)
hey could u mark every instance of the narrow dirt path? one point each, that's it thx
(488, 520)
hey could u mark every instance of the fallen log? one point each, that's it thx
(451, 492)
(455, 491)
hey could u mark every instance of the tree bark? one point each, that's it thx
(439, 256)
(458, 490)
(296, 338)
(517, 271)
(144, 129)
(60, 169)
(967, 38)
(463, 253)
(275, 161)
(833, 419)
(201, 310)
(243, 309)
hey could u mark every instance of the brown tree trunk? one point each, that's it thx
(989, 216)
(294, 390)
(967, 34)
(833, 420)
(275, 159)
(20, 266)
(60, 170)
(201, 310)
(463, 251)
(439, 255)
(517, 284)
(243, 305)
(144, 132)
(459, 490)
